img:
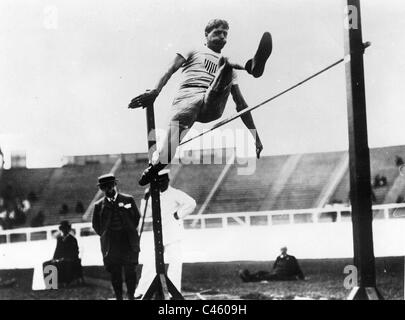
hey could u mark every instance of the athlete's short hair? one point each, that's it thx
(215, 23)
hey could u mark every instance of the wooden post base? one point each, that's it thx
(365, 293)
(162, 288)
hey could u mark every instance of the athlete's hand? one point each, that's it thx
(259, 148)
(144, 100)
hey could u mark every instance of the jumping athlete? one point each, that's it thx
(208, 80)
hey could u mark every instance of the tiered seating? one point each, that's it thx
(307, 181)
(24, 181)
(128, 175)
(69, 185)
(299, 187)
(382, 162)
(240, 193)
(197, 180)
(341, 193)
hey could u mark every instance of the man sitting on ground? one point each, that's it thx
(285, 268)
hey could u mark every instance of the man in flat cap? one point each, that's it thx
(115, 220)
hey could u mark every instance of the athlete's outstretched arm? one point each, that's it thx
(148, 98)
(247, 117)
(173, 67)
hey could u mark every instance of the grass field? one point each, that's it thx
(220, 281)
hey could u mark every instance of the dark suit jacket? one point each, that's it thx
(126, 207)
(66, 248)
(287, 266)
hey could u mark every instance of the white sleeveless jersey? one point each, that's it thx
(200, 67)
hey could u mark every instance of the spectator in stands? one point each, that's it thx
(26, 205)
(64, 209)
(79, 207)
(175, 205)
(8, 194)
(66, 257)
(380, 181)
(32, 196)
(285, 268)
(115, 220)
(383, 181)
(398, 161)
(376, 181)
(373, 196)
(6, 222)
(11, 209)
(3, 214)
(19, 217)
(38, 220)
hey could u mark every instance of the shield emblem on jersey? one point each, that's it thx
(210, 66)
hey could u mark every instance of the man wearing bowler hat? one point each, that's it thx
(285, 268)
(115, 220)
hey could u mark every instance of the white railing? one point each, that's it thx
(335, 214)
(315, 215)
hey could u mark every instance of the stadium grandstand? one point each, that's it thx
(301, 200)
(278, 183)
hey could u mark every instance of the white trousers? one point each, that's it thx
(173, 257)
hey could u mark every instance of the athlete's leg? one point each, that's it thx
(217, 94)
(186, 113)
(255, 66)
(165, 154)
(223, 77)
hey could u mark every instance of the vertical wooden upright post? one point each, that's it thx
(161, 287)
(359, 157)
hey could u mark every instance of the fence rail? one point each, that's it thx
(335, 214)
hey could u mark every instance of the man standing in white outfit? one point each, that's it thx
(174, 205)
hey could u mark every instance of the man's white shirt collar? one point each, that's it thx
(113, 198)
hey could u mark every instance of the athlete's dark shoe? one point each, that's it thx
(256, 65)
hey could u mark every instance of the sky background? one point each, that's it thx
(68, 70)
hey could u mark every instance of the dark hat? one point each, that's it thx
(65, 225)
(106, 178)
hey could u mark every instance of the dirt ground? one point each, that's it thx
(214, 281)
